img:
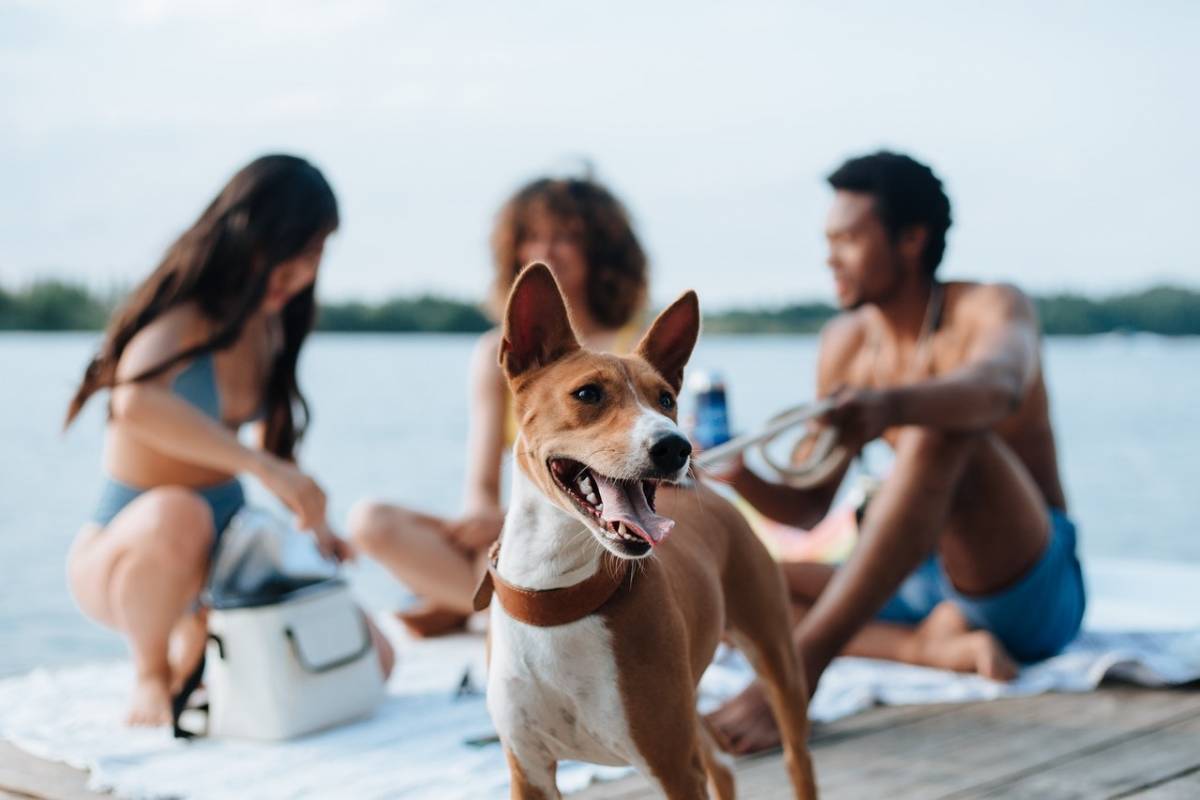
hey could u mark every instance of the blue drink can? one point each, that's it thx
(711, 416)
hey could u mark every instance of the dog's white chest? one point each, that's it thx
(554, 690)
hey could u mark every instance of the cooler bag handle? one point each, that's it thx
(317, 669)
(190, 685)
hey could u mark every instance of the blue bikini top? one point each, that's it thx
(197, 384)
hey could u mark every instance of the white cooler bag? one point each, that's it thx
(301, 663)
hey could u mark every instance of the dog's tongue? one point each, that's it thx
(625, 501)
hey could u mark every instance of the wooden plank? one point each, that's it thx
(29, 776)
(954, 749)
(1117, 768)
(987, 743)
(1185, 786)
(871, 722)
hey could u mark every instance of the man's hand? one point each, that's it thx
(477, 530)
(860, 415)
(727, 471)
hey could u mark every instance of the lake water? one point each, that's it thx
(389, 421)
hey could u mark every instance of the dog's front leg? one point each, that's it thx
(532, 777)
(681, 775)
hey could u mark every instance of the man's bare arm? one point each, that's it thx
(804, 508)
(800, 508)
(1001, 363)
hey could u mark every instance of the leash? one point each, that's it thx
(825, 458)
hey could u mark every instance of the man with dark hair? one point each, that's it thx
(966, 558)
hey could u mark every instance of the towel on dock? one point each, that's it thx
(415, 746)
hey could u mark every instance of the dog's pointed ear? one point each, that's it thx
(537, 328)
(668, 344)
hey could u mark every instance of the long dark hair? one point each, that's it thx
(269, 212)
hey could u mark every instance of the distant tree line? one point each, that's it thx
(52, 305)
(427, 313)
(1166, 310)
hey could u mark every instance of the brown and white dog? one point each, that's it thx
(602, 628)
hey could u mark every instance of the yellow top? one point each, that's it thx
(625, 340)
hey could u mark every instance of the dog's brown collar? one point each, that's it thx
(549, 607)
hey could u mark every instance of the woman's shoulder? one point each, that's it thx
(171, 332)
(487, 349)
(485, 363)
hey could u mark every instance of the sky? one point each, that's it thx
(1065, 132)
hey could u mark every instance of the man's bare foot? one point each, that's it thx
(151, 702)
(945, 640)
(745, 723)
(991, 659)
(970, 651)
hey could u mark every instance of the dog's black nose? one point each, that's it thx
(670, 452)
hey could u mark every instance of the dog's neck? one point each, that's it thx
(543, 547)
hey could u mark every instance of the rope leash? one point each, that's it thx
(825, 458)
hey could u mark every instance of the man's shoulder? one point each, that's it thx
(989, 298)
(847, 331)
(842, 338)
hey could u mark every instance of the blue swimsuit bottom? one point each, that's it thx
(1035, 618)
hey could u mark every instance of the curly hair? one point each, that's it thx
(616, 264)
(906, 193)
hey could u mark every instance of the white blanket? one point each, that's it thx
(415, 745)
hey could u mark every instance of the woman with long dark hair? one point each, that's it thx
(205, 344)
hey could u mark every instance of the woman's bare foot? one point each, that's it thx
(151, 702)
(427, 621)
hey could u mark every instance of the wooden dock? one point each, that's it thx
(1115, 743)
(1119, 742)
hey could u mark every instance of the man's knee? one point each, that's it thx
(937, 459)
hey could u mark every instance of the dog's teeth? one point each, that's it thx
(599, 506)
(591, 498)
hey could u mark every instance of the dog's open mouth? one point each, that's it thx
(622, 509)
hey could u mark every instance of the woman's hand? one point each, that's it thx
(296, 490)
(477, 530)
(331, 545)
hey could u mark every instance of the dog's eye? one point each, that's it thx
(590, 394)
(666, 401)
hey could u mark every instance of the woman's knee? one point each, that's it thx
(178, 523)
(372, 525)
